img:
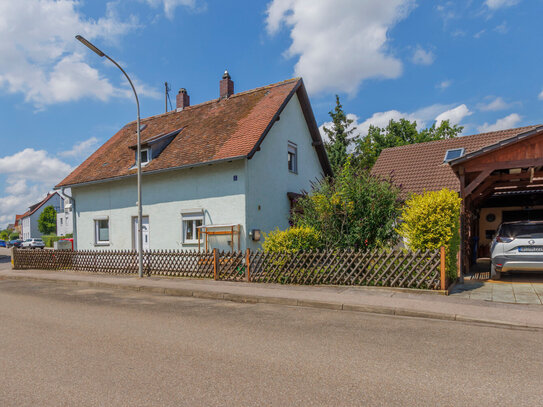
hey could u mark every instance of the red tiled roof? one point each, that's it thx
(420, 167)
(37, 206)
(220, 129)
(17, 218)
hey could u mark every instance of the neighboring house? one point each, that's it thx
(29, 220)
(499, 175)
(65, 217)
(17, 225)
(11, 227)
(229, 167)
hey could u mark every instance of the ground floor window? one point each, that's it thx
(191, 222)
(101, 231)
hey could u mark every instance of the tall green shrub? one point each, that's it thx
(353, 210)
(432, 220)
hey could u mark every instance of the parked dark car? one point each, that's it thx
(14, 243)
(2, 243)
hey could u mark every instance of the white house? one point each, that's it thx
(215, 174)
(29, 220)
(65, 217)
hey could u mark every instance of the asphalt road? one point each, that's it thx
(69, 346)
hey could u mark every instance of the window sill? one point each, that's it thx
(192, 242)
(293, 172)
(101, 244)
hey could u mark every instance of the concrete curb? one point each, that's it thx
(254, 299)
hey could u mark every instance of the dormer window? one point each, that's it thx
(453, 154)
(153, 146)
(145, 156)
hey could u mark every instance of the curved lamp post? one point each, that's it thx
(138, 153)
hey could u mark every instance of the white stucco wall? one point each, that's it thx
(165, 197)
(269, 179)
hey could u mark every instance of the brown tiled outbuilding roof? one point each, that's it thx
(420, 167)
(218, 130)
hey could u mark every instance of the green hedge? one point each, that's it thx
(50, 240)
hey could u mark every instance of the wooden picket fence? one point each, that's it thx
(378, 267)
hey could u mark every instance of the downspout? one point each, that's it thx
(74, 223)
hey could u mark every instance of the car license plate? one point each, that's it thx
(531, 249)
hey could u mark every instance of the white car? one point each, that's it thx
(518, 246)
(33, 244)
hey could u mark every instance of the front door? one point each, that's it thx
(144, 231)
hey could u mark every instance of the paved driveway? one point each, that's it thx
(501, 291)
(519, 288)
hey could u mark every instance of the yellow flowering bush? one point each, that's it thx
(292, 239)
(432, 220)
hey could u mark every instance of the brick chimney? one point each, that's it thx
(227, 86)
(182, 99)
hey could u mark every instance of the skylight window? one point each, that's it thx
(453, 154)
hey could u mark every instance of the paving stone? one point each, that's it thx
(527, 299)
(504, 297)
(475, 295)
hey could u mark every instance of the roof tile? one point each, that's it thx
(216, 130)
(420, 167)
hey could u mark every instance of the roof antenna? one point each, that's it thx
(167, 99)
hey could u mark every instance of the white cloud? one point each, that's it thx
(506, 122)
(81, 149)
(170, 5)
(41, 58)
(494, 105)
(496, 4)
(30, 174)
(36, 165)
(444, 84)
(540, 96)
(455, 115)
(423, 57)
(339, 43)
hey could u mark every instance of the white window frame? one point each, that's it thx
(193, 217)
(293, 149)
(461, 149)
(97, 240)
(143, 163)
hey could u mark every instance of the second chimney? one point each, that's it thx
(182, 99)
(227, 86)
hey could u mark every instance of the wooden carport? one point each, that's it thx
(514, 164)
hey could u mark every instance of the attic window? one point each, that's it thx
(453, 154)
(145, 157)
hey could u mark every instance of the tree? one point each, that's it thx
(47, 222)
(339, 136)
(398, 133)
(352, 210)
(4, 234)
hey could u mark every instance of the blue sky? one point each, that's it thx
(476, 63)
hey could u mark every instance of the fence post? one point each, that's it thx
(442, 269)
(13, 261)
(215, 264)
(248, 264)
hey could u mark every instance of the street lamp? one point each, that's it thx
(138, 153)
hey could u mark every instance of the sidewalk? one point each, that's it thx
(362, 299)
